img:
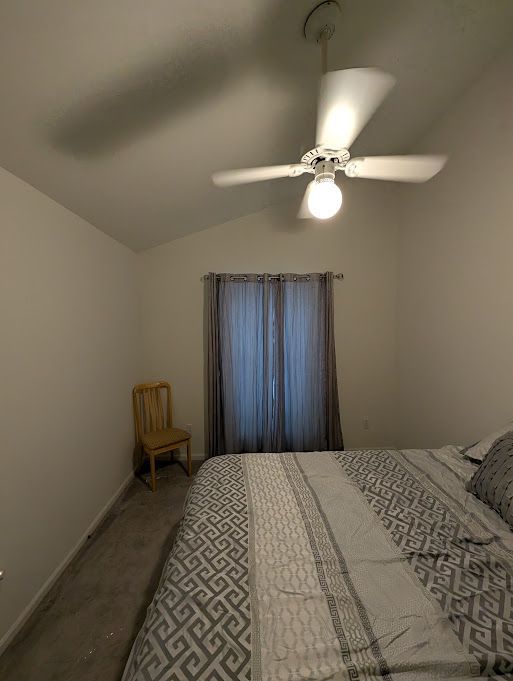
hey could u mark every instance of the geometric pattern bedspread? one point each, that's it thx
(332, 565)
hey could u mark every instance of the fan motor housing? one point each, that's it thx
(314, 156)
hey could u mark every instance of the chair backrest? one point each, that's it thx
(149, 412)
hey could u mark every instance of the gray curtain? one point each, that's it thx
(271, 370)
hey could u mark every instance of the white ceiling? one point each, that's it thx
(120, 111)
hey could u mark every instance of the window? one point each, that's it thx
(272, 383)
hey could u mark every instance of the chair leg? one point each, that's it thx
(153, 473)
(189, 458)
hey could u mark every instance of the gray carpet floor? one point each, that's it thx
(84, 628)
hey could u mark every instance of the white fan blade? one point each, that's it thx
(347, 100)
(304, 211)
(396, 168)
(228, 178)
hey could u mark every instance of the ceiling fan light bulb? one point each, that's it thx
(324, 199)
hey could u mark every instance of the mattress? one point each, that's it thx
(332, 565)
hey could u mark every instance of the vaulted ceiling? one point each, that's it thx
(120, 111)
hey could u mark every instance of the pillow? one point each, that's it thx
(493, 480)
(479, 450)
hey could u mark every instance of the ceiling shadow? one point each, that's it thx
(181, 80)
(151, 97)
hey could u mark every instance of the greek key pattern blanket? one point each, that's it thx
(331, 565)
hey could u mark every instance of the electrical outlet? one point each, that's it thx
(188, 428)
(366, 423)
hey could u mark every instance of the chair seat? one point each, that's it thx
(163, 438)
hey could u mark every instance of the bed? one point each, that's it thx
(332, 565)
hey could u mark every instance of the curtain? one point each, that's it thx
(271, 369)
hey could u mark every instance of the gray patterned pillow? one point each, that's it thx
(493, 480)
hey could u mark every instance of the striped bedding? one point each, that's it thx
(332, 565)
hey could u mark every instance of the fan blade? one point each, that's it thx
(347, 100)
(228, 178)
(304, 211)
(397, 168)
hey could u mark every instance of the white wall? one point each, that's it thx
(361, 243)
(456, 274)
(69, 348)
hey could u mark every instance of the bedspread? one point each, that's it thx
(332, 565)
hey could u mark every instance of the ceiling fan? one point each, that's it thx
(347, 100)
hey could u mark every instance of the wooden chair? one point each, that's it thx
(154, 427)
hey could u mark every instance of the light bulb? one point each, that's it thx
(324, 199)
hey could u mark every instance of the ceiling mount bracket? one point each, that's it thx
(322, 21)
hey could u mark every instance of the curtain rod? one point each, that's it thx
(339, 276)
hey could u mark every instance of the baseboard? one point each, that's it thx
(196, 456)
(26, 612)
